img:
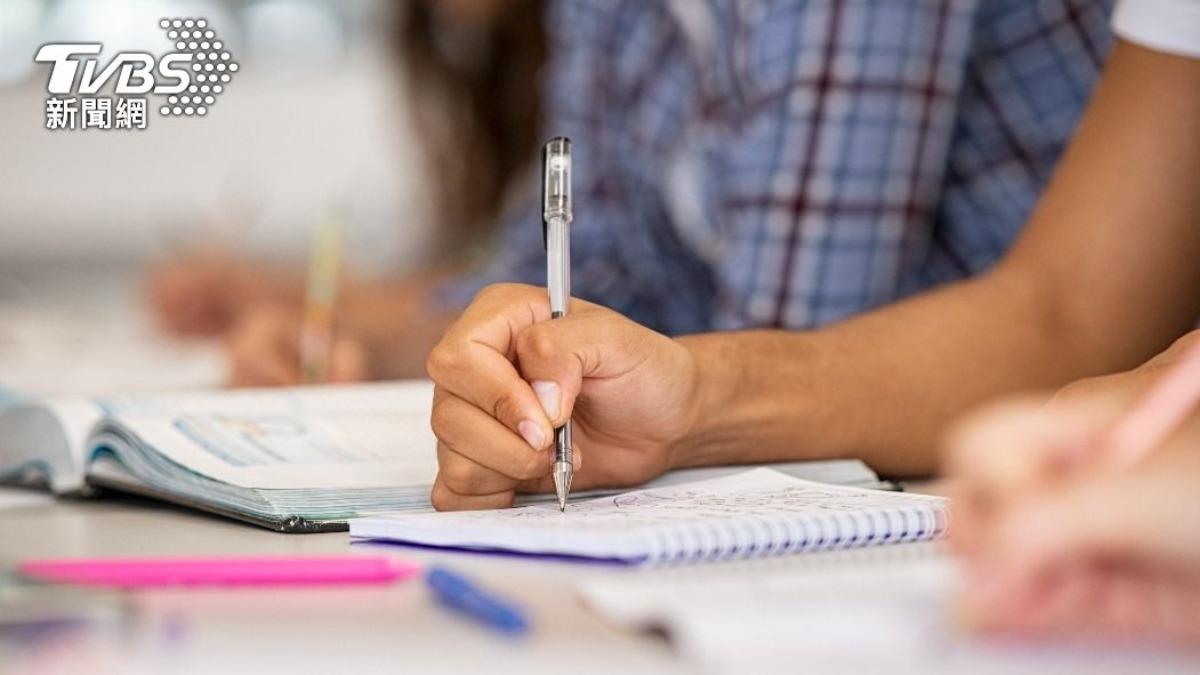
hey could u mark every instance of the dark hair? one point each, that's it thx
(474, 89)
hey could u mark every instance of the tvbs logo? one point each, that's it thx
(188, 80)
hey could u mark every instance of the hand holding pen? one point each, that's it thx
(522, 390)
(1078, 517)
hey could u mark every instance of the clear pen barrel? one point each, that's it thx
(556, 212)
(558, 264)
(556, 191)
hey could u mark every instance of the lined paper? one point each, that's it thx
(759, 512)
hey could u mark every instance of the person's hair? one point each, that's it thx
(476, 107)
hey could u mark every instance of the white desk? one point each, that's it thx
(365, 630)
(395, 629)
(400, 628)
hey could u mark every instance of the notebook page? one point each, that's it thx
(757, 512)
(829, 612)
(879, 610)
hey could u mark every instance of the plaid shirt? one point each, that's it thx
(788, 163)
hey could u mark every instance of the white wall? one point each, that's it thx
(278, 148)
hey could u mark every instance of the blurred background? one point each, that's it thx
(316, 117)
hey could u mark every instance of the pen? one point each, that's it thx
(461, 595)
(556, 234)
(237, 571)
(324, 271)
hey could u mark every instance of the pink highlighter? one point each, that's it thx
(237, 571)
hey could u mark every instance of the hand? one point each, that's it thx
(1015, 446)
(193, 296)
(1059, 546)
(264, 351)
(506, 375)
(1124, 387)
(204, 293)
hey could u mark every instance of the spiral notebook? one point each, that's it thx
(755, 513)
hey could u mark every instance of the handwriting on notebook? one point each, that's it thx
(760, 512)
(751, 494)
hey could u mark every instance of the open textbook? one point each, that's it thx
(303, 459)
(753, 513)
(294, 460)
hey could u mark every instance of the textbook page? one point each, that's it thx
(410, 395)
(349, 450)
(348, 437)
(45, 440)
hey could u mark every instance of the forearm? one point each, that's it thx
(879, 387)
(1105, 277)
(396, 322)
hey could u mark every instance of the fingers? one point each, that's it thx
(190, 296)
(1094, 599)
(556, 356)
(1004, 452)
(481, 463)
(474, 435)
(348, 362)
(548, 358)
(507, 376)
(989, 457)
(1146, 514)
(264, 349)
(473, 361)
(1105, 553)
(444, 498)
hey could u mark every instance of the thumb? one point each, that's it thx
(556, 356)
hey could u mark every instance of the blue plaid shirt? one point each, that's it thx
(788, 163)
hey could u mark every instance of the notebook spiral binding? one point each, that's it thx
(764, 536)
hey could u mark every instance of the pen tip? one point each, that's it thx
(562, 484)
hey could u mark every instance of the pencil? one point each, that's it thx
(324, 274)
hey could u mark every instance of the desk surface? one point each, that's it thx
(396, 629)
(368, 629)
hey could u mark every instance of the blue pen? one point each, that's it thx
(458, 593)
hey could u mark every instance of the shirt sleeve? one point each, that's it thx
(1171, 26)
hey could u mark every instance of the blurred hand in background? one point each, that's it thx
(383, 330)
(1059, 545)
(205, 292)
(471, 61)
(264, 351)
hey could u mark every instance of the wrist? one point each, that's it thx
(754, 400)
(717, 378)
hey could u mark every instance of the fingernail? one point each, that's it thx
(550, 396)
(532, 433)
